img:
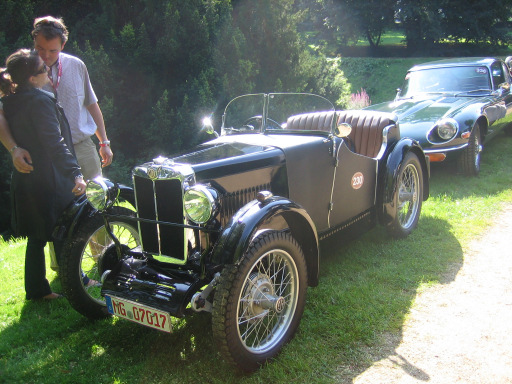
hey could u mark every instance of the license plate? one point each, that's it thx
(138, 313)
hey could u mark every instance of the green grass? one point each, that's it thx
(379, 77)
(367, 288)
(390, 38)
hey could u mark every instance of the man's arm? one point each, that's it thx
(20, 157)
(101, 133)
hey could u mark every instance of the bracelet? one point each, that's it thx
(12, 149)
(105, 143)
(79, 176)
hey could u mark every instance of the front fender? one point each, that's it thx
(80, 208)
(275, 213)
(126, 193)
(69, 219)
(388, 176)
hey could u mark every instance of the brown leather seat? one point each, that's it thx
(368, 128)
(317, 121)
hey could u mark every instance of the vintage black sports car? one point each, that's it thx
(451, 107)
(233, 226)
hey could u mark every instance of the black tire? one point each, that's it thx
(258, 303)
(92, 251)
(408, 197)
(469, 160)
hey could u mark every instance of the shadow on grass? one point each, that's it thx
(366, 289)
(51, 343)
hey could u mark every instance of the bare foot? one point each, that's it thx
(52, 296)
(92, 283)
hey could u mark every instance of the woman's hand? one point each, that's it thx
(22, 160)
(80, 185)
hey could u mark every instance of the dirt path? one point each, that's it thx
(459, 332)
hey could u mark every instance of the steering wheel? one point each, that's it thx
(255, 121)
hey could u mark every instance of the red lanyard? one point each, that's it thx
(59, 75)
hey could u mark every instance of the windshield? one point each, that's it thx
(277, 112)
(446, 80)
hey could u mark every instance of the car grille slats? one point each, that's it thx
(161, 200)
(233, 201)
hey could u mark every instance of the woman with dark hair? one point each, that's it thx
(38, 198)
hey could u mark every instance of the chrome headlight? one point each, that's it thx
(447, 128)
(101, 193)
(200, 203)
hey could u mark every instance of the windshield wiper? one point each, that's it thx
(473, 91)
(423, 93)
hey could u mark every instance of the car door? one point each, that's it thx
(310, 170)
(354, 186)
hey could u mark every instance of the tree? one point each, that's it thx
(477, 21)
(421, 21)
(158, 66)
(372, 17)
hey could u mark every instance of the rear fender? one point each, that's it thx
(388, 176)
(274, 214)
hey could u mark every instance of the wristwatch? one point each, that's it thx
(105, 143)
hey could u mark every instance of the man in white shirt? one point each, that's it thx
(69, 82)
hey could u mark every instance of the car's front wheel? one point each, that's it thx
(88, 254)
(258, 303)
(408, 197)
(469, 160)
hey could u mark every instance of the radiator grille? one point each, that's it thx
(161, 200)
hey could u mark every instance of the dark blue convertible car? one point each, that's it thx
(452, 107)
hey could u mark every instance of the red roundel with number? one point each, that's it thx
(357, 180)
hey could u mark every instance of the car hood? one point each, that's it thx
(216, 158)
(417, 116)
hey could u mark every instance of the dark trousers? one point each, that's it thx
(36, 284)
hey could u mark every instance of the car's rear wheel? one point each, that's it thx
(259, 302)
(469, 160)
(408, 197)
(88, 254)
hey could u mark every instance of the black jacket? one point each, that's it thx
(38, 124)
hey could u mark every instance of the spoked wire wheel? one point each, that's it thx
(469, 160)
(96, 259)
(259, 302)
(408, 197)
(88, 254)
(267, 300)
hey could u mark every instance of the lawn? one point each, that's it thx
(367, 288)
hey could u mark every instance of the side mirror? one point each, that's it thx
(398, 92)
(343, 130)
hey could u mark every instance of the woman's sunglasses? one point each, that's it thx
(44, 69)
